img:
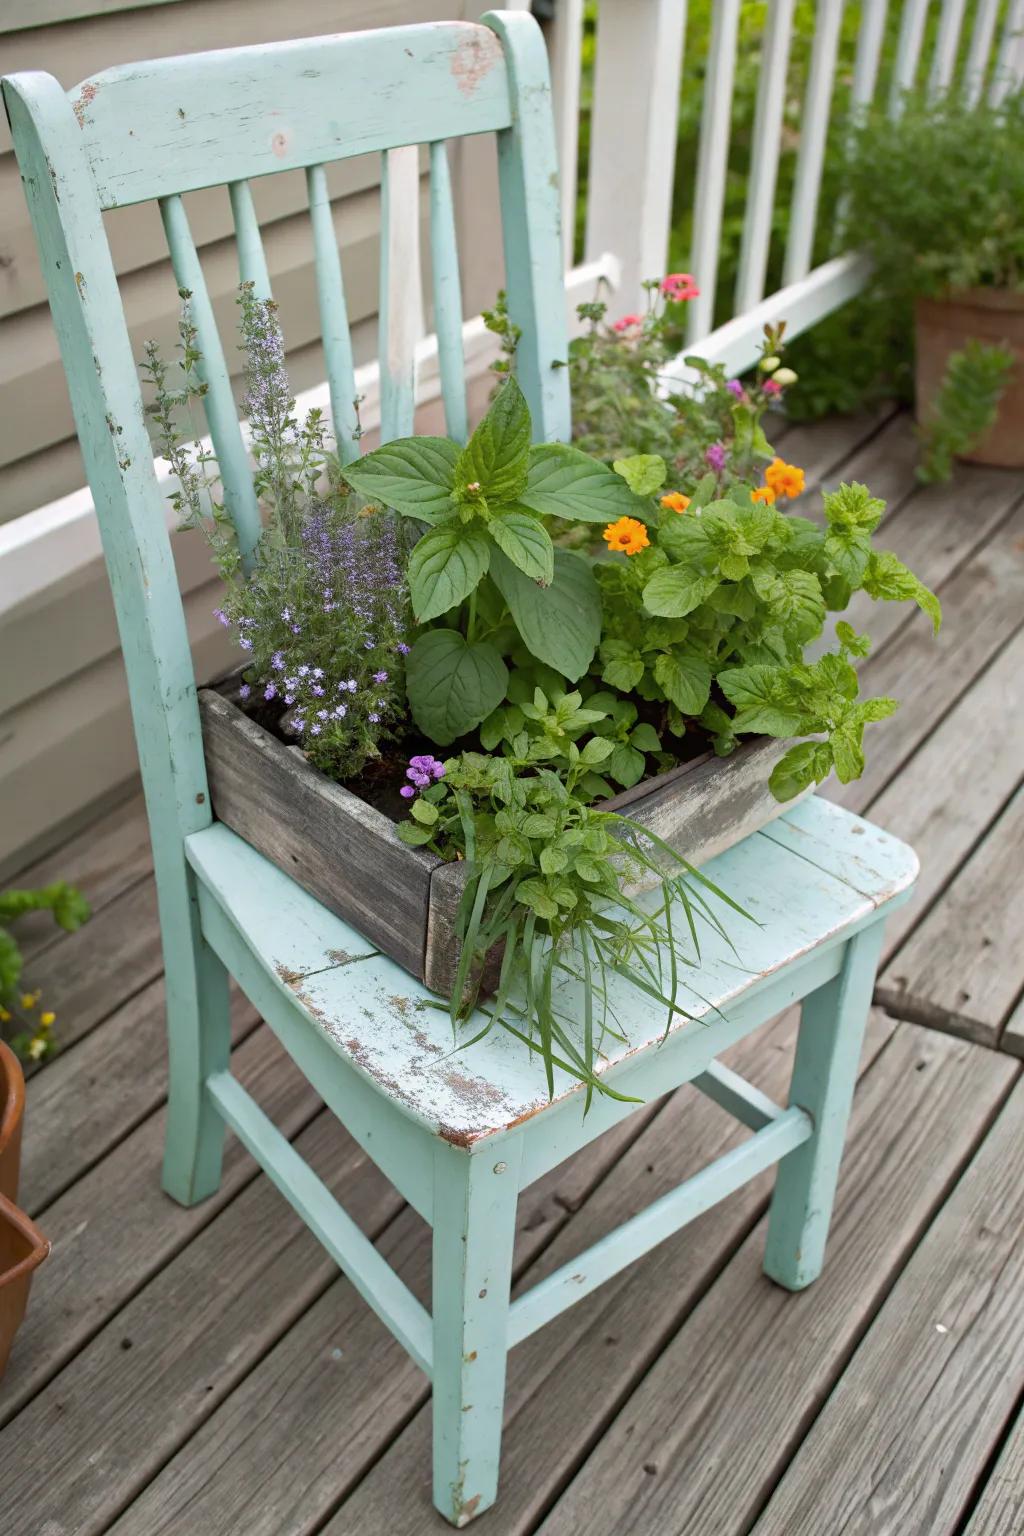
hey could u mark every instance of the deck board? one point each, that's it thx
(207, 1370)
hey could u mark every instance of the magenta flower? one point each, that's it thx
(736, 388)
(679, 286)
(628, 323)
(714, 457)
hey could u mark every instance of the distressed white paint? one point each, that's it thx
(633, 139)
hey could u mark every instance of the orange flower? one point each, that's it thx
(628, 536)
(784, 479)
(675, 501)
(763, 493)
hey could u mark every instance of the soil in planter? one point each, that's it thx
(382, 779)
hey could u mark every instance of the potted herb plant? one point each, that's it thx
(460, 659)
(22, 1246)
(935, 198)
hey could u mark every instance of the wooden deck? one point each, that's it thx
(207, 1372)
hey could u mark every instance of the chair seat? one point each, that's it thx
(809, 879)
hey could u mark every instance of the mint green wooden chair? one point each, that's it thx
(459, 1133)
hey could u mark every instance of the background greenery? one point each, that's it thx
(865, 350)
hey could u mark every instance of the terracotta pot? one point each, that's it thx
(22, 1249)
(981, 314)
(12, 1109)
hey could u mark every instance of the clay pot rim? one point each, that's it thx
(1008, 299)
(12, 1094)
(11, 1215)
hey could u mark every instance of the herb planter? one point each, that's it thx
(22, 1246)
(348, 854)
(943, 326)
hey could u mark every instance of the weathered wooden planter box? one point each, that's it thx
(404, 900)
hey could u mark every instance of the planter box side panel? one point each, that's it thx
(338, 848)
(722, 801)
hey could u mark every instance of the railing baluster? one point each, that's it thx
(869, 51)
(444, 260)
(633, 140)
(252, 263)
(334, 327)
(813, 133)
(712, 161)
(946, 46)
(764, 165)
(565, 48)
(980, 52)
(401, 303)
(908, 51)
(1010, 61)
(221, 412)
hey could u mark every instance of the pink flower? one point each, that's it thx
(714, 457)
(679, 286)
(736, 388)
(772, 387)
(628, 323)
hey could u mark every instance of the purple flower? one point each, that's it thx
(373, 717)
(314, 730)
(244, 691)
(277, 661)
(380, 677)
(407, 791)
(402, 648)
(735, 388)
(340, 711)
(317, 691)
(222, 617)
(286, 615)
(317, 672)
(245, 642)
(714, 457)
(303, 670)
(270, 692)
(296, 629)
(289, 698)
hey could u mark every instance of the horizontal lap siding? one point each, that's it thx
(65, 735)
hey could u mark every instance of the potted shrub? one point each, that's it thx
(22, 1246)
(935, 198)
(458, 662)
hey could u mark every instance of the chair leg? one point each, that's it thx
(198, 1042)
(824, 1076)
(475, 1201)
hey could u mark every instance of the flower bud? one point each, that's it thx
(785, 376)
(769, 364)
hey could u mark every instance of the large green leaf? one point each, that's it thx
(807, 763)
(797, 604)
(644, 473)
(563, 482)
(560, 624)
(496, 455)
(888, 578)
(677, 590)
(686, 680)
(451, 684)
(444, 567)
(524, 539)
(415, 475)
(762, 705)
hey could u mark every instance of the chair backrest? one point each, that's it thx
(161, 129)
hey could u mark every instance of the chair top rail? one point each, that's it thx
(167, 126)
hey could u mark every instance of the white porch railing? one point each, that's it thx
(54, 551)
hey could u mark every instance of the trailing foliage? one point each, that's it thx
(964, 408)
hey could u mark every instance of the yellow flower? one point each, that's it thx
(763, 493)
(46, 1019)
(784, 479)
(36, 1048)
(29, 999)
(675, 501)
(5, 1017)
(628, 536)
